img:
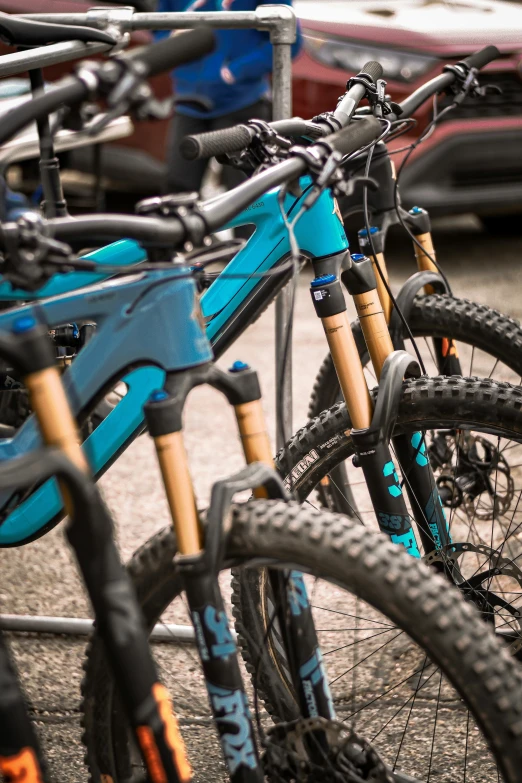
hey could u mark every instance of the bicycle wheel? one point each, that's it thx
(489, 343)
(473, 434)
(430, 664)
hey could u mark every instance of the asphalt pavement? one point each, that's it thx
(40, 578)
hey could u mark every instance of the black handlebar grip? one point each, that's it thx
(482, 58)
(373, 69)
(207, 145)
(357, 134)
(176, 50)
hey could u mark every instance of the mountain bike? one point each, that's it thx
(89, 531)
(229, 305)
(90, 378)
(144, 294)
(470, 473)
(263, 531)
(32, 517)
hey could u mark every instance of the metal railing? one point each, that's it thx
(280, 22)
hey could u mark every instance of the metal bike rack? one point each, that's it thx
(54, 54)
(74, 626)
(280, 22)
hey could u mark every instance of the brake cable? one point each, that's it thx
(379, 270)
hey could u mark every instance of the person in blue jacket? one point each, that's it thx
(227, 87)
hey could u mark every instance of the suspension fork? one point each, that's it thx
(216, 645)
(378, 237)
(418, 221)
(217, 648)
(90, 534)
(291, 598)
(411, 451)
(446, 352)
(372, 452)
(20, 755)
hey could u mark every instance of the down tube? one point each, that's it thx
(319, 233)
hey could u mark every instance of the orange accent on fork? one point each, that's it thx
(172, 732)
(449, 348)
(151, 754)
(174, 739)
(22, 768)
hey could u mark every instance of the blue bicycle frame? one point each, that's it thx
(143, 332)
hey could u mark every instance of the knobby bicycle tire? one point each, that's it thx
(436, 315)
(363, 562)
(324, 443)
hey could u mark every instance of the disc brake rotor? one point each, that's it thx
(480, 481)
(476, 588)
(348, 759)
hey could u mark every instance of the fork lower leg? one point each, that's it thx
(119, 620)
(20, 757)
(411, 453)
(372, 455)
(290, 594)
(216, 646)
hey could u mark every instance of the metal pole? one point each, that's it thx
(73, 626)
(19, 62)
(282, 109)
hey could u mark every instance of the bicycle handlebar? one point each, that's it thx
(70, 92)
(414, 101)
(220, 142)
(214, 213)
(151, 230)
(149, 61)
(351, 99)
(169, 53)
(482, 58)
(236, 138)
(230, 140)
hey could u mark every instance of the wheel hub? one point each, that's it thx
(348, 758)
(476, 588)
(481, 479)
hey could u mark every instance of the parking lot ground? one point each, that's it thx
(40, 578)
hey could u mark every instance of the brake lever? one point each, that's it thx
(31, 255)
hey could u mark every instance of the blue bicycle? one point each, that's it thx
(132, 311)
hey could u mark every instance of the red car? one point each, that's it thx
(473, 160)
